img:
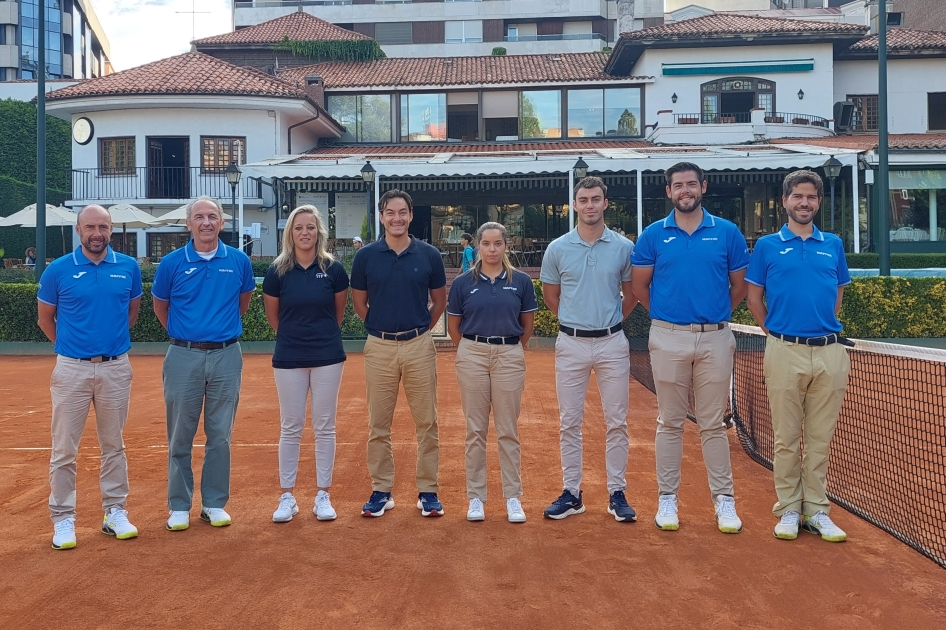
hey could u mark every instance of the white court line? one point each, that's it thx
(165, 446)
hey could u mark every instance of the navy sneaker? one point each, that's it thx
(565, 505)
(377, 504)
(429, 504)
(619, 508)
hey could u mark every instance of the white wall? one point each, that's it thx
(719, 5)
(908, 82)
(486, 48)
(817, 84)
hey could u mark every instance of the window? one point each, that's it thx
(423, 117)
(117, 156)
(866, 111)
(540, 114)
(393, 32)
(463, 31)
(733, 98)
(366, 117)
(936, 102)
(216, 154)
(607, 112)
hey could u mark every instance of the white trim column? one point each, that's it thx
(934, 219)
(856, 201)
(571, 198)
(640, 202)
(377, 212)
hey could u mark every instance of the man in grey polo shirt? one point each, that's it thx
(584, 273)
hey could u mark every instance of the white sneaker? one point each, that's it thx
(323, 507)
(666, 518)
(514, 511)
(726, 518)
(287, 508)
(178, 521)
(821, 524)
(115, 523)
(64, 534)
(215, 516)
(476, 512)
(787, 528)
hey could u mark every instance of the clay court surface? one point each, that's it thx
(403, 570)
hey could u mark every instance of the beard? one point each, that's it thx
(95, 247)
(688, 207)
(801, 220)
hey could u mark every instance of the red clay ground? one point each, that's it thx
(406, 571)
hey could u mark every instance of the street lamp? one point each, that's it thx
(580, 168)
(832, 168)
(233, 174)
(367, 174)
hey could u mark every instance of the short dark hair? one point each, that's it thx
(466, 236)
(394, 193)
(683, 167)
(591, 182)
(802, 177)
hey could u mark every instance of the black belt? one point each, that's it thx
(204, 345)
(101, 359)
(403, 336)
(496, 340)
(824, 340)
(604, 332)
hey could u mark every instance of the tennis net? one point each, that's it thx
(888, 456)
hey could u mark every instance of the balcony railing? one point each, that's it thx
(796, 119)
(549, 38)
(746, 117)
(160, 182)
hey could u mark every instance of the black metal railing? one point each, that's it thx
(157, 182)
(746, 117)
(796, 119)
(556, 38)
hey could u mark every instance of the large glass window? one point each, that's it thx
(731, 100)
(460, 31)
(217, 153)
(604, 112)
(117, 156)
(918, 206)
(423, 117)
(31, 40)
(366, 117)
(540, 114)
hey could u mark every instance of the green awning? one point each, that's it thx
(738, 67)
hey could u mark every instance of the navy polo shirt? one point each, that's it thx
(204, 294)
(91, 302)
(308, 335)
(801, 280)
(491, 308)
(691, 271)
(398, 285)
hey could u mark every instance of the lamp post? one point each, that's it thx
(832, 168)
(367, 174)
(579, 170)
(234, 174)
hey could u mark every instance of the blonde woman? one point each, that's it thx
(490, 311)
(304, 293)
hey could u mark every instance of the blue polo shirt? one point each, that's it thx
(398, 285)
(308, 335)
(691, 271)
(801, 280)
(204, 294)
(467, 263)
(491, 308)
(91, 302)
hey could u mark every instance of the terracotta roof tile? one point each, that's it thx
(298, 26)
(723, 24)
(868, 142)
(406, 71)
(414, 150)
(190, 73)
(904, 40)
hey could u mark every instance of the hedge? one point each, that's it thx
(897, 261)
(18, 146)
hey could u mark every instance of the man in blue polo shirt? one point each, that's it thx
(88, 301)
(200, 293)
(802, 273)
(689, 272)
(392, 281)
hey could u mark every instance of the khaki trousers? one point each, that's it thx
(575, 358)
(75, 385)
(387, 364)
(680, 358)
(806, 386)
(491, 376)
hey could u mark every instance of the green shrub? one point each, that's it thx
(17, 276)
(498, 51)
(897, 261)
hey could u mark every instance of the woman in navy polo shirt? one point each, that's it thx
(305, 292)
(491, 309)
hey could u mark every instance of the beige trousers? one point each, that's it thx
(387, 364)
(491, 376)
(679, 359)
(75, 385)
(806, 386)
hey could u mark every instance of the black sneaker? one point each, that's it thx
(619, 508)
(377, 504)
(429, 504)
(565, 505)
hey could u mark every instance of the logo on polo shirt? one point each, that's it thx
(824, 254)
(79, 275)
(190, 271)
(321, 275)
(225, 270)
(473, 291)
(117, 275)
(510, 289)
(710, 238)
(667, 240)
(786, 250)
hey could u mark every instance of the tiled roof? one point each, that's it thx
(298, 26)
(414, 150)
(903, 40)
(190, 73)
(729, 24)
(868, 142)
(431, 71)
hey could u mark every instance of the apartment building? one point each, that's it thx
(76, 45)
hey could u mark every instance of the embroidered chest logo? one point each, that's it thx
(190, 271)
(786, 250)
(79, 275)
(824, 254)
(117, 275)
(226, 270)
(510, 289)
(473, 291)
(667, 240)
(710, 238)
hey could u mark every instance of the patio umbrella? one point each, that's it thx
(130, 216)
(178, 216)
(55, 217)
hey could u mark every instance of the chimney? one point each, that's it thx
(315, 88)
(625, 21)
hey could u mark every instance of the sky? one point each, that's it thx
(142, 31)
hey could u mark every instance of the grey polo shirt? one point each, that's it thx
(590, 276)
